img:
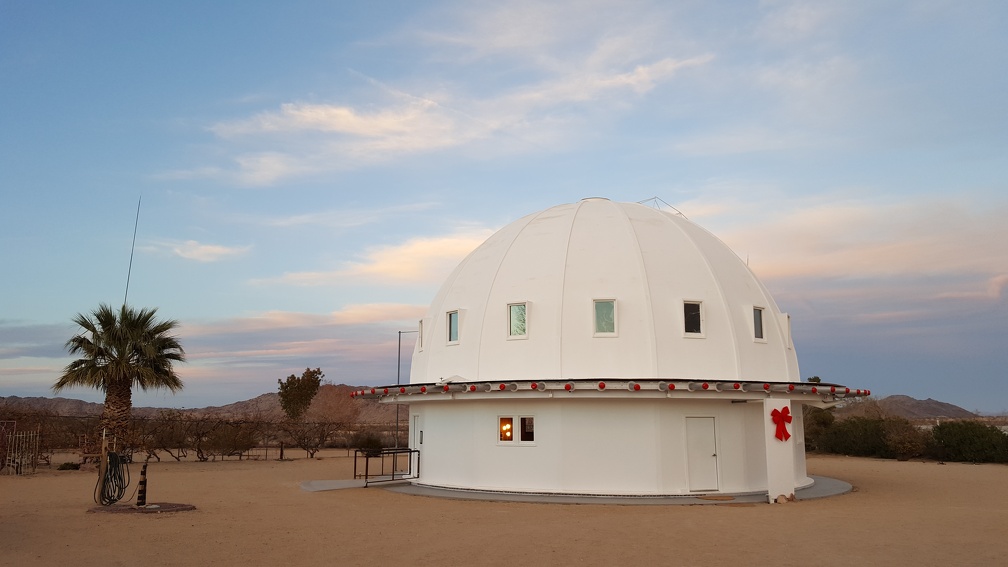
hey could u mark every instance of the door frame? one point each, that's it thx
(695, 483)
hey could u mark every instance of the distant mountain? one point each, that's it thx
(903, 406)
(58, 406)
(911, 408)
(266, 406)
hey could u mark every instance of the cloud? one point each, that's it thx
(418, 260)
(193, 250)
(21, 340)
(14, 371)
(995, 289)
(894, 277)
(790, 21)
(333, 118)
(353, 344)
(550, 36)
(274, 321)
(378, 312)
(266, 168)
(352, 139)
(581, 86)
(739, 139)
(345, 218)
(267, 321)
(851, 240)
(571, 66)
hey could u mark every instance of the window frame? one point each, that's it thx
(759, 331)
(703, 327)
(502, 437)
(510, 327)
(517, 422)
(449, 316)
(615, 317)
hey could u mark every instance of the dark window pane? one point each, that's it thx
(758, 322)
(528, 429)
(691, 315)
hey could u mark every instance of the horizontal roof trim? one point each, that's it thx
(673, 388)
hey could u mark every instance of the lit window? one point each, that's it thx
(506, 434)
(507, 429)
(692, 318)
(516, 320)
(757, 313)
(453, 326)
(605, 316)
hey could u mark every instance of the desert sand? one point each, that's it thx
(255, 513)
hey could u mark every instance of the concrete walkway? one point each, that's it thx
(821, 488)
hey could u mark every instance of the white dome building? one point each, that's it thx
(612, 349)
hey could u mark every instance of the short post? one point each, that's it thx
(142, 487)
(102, 466)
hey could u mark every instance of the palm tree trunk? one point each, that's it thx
(116, 414)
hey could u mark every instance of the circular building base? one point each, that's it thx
(153, 508)
(821, 487)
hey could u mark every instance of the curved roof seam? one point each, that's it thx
(721, 293)
(493, 284)
(646, 286)
(563, 288)
(774, 308)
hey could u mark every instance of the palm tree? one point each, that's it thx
(120, 349)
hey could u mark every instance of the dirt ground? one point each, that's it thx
(255, 513)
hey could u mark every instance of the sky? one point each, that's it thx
(308, 173)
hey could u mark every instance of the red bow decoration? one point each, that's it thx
(782, 417)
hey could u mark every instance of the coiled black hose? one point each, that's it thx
(111, 488)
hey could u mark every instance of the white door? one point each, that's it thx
(701, 454)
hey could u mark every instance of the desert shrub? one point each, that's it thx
(231, 438)
(368, 440)
(902, 439)
(855, 436)
(817, 422)
(969, 441)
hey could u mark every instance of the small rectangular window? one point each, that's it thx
(453, 326)
(692, 319)
(506, 429)
(528, 429)
(420, 334)
(757, 313)
(506, 434)
(605, 316)
(517, 326)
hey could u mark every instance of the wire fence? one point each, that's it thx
(182, 436)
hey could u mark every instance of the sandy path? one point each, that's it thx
(255, 513)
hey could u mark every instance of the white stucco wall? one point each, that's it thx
(590, 446)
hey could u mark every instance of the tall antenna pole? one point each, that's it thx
(129, 271)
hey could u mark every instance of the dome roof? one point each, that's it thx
(599, 289)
